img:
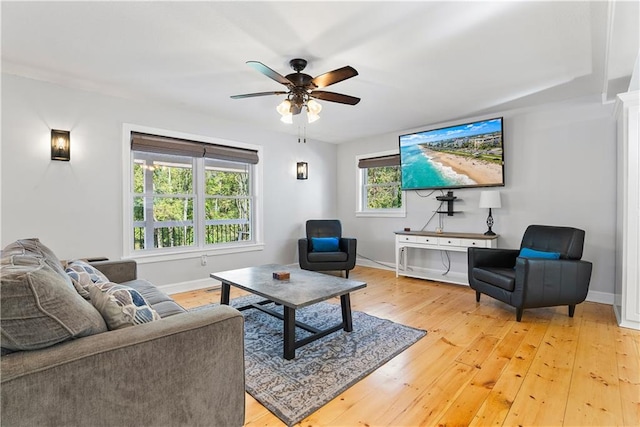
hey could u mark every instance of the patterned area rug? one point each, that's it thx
(294, 389)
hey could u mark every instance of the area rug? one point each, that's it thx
(321, 370)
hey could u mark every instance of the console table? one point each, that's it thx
(457, 242)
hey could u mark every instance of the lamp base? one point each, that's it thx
(489, 225)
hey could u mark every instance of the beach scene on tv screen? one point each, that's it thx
(457, 156)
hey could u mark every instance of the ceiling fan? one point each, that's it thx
(302, 89)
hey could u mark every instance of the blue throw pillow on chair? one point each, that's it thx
(532, 253)
(325, 244)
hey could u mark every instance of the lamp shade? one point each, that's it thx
(313, 110)
(490, 199)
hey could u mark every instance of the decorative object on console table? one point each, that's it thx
(490, 199)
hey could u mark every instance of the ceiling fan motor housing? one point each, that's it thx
(298, 64)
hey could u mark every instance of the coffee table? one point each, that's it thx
(302, 289)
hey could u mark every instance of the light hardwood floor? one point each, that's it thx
(478, 366)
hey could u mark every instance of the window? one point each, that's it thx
(188, 195)
(163, 201)
(379, 185)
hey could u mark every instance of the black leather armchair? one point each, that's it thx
(343, 259)
(533, 282)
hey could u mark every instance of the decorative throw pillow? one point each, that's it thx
(39, 305)
(121, 306)
(325, 244)
(533, 253)
(83, 275)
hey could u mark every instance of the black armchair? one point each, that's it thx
(341, 258)
(534, 282)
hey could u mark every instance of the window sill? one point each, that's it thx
(381, 214)
(149, 258)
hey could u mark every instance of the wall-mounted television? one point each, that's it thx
(461, 156)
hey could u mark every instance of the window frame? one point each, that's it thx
(361, 174)
(199, 249)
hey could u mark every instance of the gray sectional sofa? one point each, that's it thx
(61, 364)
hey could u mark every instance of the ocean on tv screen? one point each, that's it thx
(421, 170)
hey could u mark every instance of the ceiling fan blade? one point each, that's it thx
(260, 67)
(334, 97)
(251, 95)
(334, 76)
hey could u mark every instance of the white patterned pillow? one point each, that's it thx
(121, 305)
(83, 275)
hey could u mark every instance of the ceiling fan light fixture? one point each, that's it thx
(284, 108)
(311, 117)
(314, 106)
(313, 110)
(287, 118)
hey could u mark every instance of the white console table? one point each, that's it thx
(457, 242)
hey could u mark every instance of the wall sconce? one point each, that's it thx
(490, 199)
(303, 170)
(60, 145)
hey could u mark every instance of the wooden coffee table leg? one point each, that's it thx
(345, 303)
(289, 333)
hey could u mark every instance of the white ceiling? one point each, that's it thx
(419, 62)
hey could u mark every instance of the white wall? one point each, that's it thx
(560, 170)
(75, 207)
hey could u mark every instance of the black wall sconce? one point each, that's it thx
(60, 145)
(303, 170)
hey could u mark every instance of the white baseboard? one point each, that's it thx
(193, 285)
(600, 297)
(375, 264)
(461, 278)
(625, 323)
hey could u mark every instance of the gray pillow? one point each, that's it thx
(39, 306)
(121, 306)
(83, 275)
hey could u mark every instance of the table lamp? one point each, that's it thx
(490, 199)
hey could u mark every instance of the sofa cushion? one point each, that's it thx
(34, 247)
(39, 306)
(83, 275)
(159, 301)
(121, 306)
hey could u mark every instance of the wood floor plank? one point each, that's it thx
(478, 366)
(542, 398)
(427, 407)
(628, 361)
(594, 396)
(496, 406)
(489, 369)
